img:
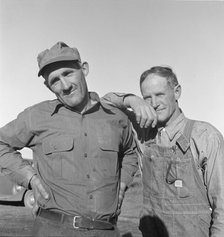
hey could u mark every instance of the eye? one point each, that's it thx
(160, 95)
(54, 81)
(147, 98)
(68, 73)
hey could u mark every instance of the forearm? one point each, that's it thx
(14, 166)
(117, 99)
(23, 176)
(13, 137)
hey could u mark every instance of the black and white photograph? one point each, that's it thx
(111, 119)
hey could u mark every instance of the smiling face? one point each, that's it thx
(67, 80)
(162, 97)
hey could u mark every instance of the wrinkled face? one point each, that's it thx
(67, 81)
(158, 93)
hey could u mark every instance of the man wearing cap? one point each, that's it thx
(83, 152)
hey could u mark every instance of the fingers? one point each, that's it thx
(38, 188)
(144, 112)
(155, 121)
(151, 118)
(42, 191)
(38, 191)
(121, 194)
(35, 209)
(146, 116)
(120, 201)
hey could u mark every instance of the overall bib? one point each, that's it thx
(173, 191)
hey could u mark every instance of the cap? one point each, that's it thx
(59, 52)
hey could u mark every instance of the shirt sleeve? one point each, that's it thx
(130, 156)
(214, 177)
(116, 99)
(13, 137)
(210, 146)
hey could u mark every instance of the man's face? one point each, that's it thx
(67, 81)
(157, 92)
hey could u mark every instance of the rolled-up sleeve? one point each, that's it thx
(13, 137)
(116, 99)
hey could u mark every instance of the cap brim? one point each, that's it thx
(57, 59)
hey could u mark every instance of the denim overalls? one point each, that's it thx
(173, 190)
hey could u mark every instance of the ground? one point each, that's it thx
(17, 220)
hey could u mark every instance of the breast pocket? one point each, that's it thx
(109, 163)
(58, 152)
(108, 140)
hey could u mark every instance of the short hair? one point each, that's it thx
(165, 72)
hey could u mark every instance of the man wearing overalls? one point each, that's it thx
(183, 162)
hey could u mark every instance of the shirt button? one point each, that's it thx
(85, 155)
(85, 134)
(88, 176)
(91, 196)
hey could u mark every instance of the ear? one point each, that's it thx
(177, 92)
(85, 68)
(46, 84)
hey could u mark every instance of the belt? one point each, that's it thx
(77, 221)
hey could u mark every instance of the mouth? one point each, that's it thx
(70, 93)
(160, 110)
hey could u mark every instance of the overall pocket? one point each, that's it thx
(153, 173)
(179, 178)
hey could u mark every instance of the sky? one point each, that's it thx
(119, 39)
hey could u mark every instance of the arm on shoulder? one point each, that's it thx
(144, 113)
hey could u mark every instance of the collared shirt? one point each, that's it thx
(80, 158)
(207, 147)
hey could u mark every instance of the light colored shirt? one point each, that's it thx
(80, 158)
(207, 146)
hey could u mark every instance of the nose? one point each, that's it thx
(154, 102)
(66, 84)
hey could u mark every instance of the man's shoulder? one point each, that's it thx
(114, 110)
(205, 129)
(47, 105)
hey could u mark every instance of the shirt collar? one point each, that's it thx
(176, 126)
(92, 95)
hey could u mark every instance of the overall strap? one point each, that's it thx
(184, 140)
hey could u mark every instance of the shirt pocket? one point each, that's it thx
(109, 164)
(58, 152)
(108, 140)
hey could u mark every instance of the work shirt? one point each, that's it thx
(80, 158)
(207, 147)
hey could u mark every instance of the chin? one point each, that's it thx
(162, 122)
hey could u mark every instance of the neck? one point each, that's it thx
(85, 105)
